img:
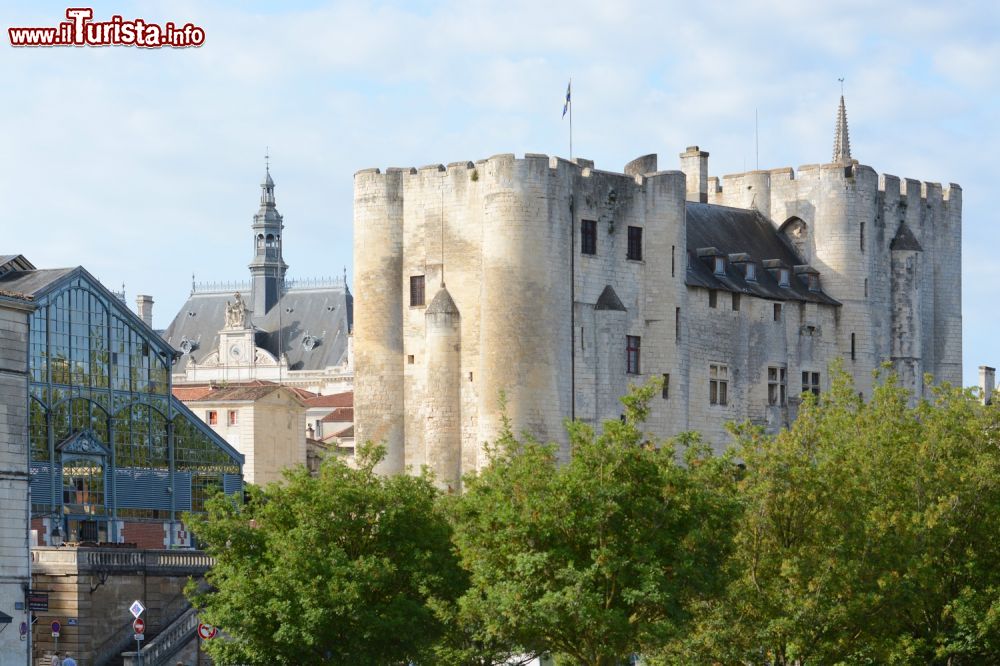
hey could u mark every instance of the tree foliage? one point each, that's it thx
(597, 557)
(343, 568)
(869, 535)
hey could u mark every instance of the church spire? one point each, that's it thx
(267, 269)
(841, 140)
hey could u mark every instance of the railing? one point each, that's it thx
(244, 287)
(120, 560)
(168, 642)
(122, 637)
(210, 287)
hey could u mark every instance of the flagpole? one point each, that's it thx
(571, 120)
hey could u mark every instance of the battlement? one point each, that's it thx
(584, 167)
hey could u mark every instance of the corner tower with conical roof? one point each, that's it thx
(267, 269)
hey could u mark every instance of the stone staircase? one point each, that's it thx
(160, 649)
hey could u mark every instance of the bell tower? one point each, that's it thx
(267, 269)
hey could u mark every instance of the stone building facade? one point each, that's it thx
(15, 309)
(558, 284)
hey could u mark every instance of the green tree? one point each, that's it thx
(595, 558)
(869, 535)
(346, 567)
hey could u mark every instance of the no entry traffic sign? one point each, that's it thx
(138, 625)
(207, 631)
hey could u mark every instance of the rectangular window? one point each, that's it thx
(632, 354)
(810, 382)
(232, 417)
(588, 237)
(777, 312)
(718, 384)
(853, 356)
(736, 302)
(673, 260)
(784, 277)
(666, 386)
(677, 324)
(777, 383)
(634, 243)
(416, 290)
(752, 272)
(720, 266)
(862, 237)
(213, 417)
(713, 298)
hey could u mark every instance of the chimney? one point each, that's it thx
(310, 433)
(694, 164)
(987, 381)
(144, 308)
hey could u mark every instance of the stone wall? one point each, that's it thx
(14, 507)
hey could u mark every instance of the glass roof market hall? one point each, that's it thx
(112, 453)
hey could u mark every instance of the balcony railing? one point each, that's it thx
(119, 560)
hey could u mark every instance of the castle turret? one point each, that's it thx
(442, 427)
(267, 269)
(378, 319)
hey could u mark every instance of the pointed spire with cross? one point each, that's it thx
(841, 139)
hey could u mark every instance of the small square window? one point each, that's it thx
(213, 417)
(713, 298)
(588, 237)
(233, 417)
(409, 359)
(632, 354)
(416, 290)
(634, 243)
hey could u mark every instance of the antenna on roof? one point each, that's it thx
(841, 79)
(756, 142)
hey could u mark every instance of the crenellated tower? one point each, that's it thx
(267, 269)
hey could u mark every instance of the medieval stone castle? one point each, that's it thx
(558, 285)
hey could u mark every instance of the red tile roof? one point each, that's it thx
(335, 400)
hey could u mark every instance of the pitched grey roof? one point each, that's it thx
(324, 314)
(32, 282)
(741, 231)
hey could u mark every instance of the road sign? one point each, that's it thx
(24, 628)
(139, 637)
(136, 608)
(38, 601)
(207, 631)
(138, 625)
(56, 627)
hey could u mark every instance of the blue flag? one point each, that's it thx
(566, 105)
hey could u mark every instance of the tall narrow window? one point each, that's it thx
(810, 382)
(853, 354)
(634, 243)
(666, 385)
(677, 324)
(416, 290)
(784, 277)
(233, 417)
(632, 354)
(673, 260)
(866, 287)
(736, 302)
(777, 382)
(718, 384)
(862, 237)
(777, 312)
(720, 266)
(751, 271)
(713, 298)
(213, 417)
(588, 237)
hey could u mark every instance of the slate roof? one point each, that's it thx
(326, 313)
(32, 282)
(740, 231)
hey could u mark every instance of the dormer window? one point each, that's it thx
(783, 277)
(813, 283)
(720, 266)
(752, 272)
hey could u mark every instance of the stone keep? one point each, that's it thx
(754, 281)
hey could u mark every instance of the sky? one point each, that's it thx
(144, 165)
